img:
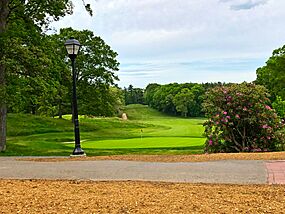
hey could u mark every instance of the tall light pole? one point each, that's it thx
(72, 47)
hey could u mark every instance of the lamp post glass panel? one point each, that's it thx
(72, 47)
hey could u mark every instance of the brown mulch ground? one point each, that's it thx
(40, 196)
(176, 158)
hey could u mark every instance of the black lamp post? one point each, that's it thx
(72, 47)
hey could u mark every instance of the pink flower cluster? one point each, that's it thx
(266, 126)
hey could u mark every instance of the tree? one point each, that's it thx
(149, 93)
(41, 84)
(182, 101)
(272, 75)
(14, 16)
(279, 106)
(96, 65)
(162, 98)
(133, 95)
(240, 119)
(48, 92)
(129, 95)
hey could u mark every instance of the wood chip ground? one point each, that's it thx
(176, 158)
(41, 196)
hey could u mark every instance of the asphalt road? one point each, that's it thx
(227, 171)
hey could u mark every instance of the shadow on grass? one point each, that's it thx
(34, 149)
(146, 151)
(66, 151)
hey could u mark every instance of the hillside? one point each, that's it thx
(145, 132)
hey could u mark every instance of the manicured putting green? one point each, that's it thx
(150, 142)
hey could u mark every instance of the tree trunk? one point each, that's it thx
(72, 116)
(33, 109)
(4, 12)
(3, 115)
(3, 107)
(60, 104)
(60, 109)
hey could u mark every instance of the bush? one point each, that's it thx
(279, 106)
(240, 119)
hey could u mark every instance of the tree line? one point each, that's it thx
(186, 99)
(133, 95)
(178, 99)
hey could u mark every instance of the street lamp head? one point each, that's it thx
(72, 46)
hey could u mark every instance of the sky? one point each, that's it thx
(166, 41)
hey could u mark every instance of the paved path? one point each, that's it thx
(276, 172)
(227, 171)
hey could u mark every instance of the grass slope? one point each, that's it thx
(146, 132)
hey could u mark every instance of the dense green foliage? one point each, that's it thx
(279, 106)
(96, 66)
(47, 90)
(272, 75)
(133, 95)
(22, 27)
(240, 120)
(146, 132)
(178, 99)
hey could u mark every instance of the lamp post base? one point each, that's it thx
(77, 156)
(78, 152)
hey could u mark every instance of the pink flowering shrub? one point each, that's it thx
(240, 119)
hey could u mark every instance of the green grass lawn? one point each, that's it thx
(146, 132)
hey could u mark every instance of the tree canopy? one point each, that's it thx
(133, 95)
(184, 99)
(22, 24)
(35, 72)
(272, 75)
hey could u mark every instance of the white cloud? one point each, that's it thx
(163, 31)
(244, 4)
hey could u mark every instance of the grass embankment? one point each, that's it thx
(146, 132)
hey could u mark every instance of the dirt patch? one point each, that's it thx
(39, 196)
(174, 158)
